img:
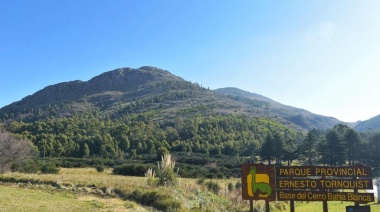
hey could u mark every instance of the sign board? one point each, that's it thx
(324, 196)
(338, 171)
(258, 182)
(317, 183)
(306, 183)
(324, 184)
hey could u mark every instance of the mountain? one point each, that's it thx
(370, 124)
(107, 86)
(152, 90)
(283, 113)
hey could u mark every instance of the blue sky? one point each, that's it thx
(322, 55)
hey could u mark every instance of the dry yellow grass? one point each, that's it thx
(82, 180)
(22, 199)
(77, 194)
(85, 177)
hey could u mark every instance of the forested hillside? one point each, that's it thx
(134, 91)
(130, 113)
(86, 135)
(282, 113)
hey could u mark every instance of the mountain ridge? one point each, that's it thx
(368, 125)
(120, 90)
(299, 116)
(108, 81)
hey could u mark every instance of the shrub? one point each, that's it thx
(166, 173)
(213, 186)
(159, 200)
(200, 181)
(25, 166)
(230, 186)
(12, 149)
(219, 175)
(238, 185)
(100, 168)
(150, 174)
(49, 168)
(131, 169)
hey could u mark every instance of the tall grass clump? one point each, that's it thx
(150, 176)
(166, 175)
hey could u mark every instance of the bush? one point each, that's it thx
(49, 168)
(230, 186)
(200, 181)
(13, 149)
(165, 173)
(25, 166)
(150, 176)
(100, 168)
(238, 185)
(131, 169)
(214, 187)
(159, 200)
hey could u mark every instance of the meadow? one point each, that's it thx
(86, 189)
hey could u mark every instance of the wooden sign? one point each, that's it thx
(332, 171)
(306, 183)
(324, 184)
(324, 196)
(316, 183)
(258, 182)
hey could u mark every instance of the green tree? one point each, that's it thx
(308, 149)
(161, 152)
(215, 150)
(335, 149)
(290, 151)
(279, 144)
(374, 150)
(151, 147)
(124, 143)
(354, 146)
(86, 150)
(268, 149)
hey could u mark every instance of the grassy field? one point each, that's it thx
(88, 190)
(25, 199)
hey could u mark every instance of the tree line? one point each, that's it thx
(89, 135)
(338, 146)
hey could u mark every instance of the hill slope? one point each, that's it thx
(370, 124)
(270, 108)
(111, 84)
(135, 91)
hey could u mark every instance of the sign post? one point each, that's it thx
(378, 189)
(320, 183)
(258, 183)
(306, 183)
